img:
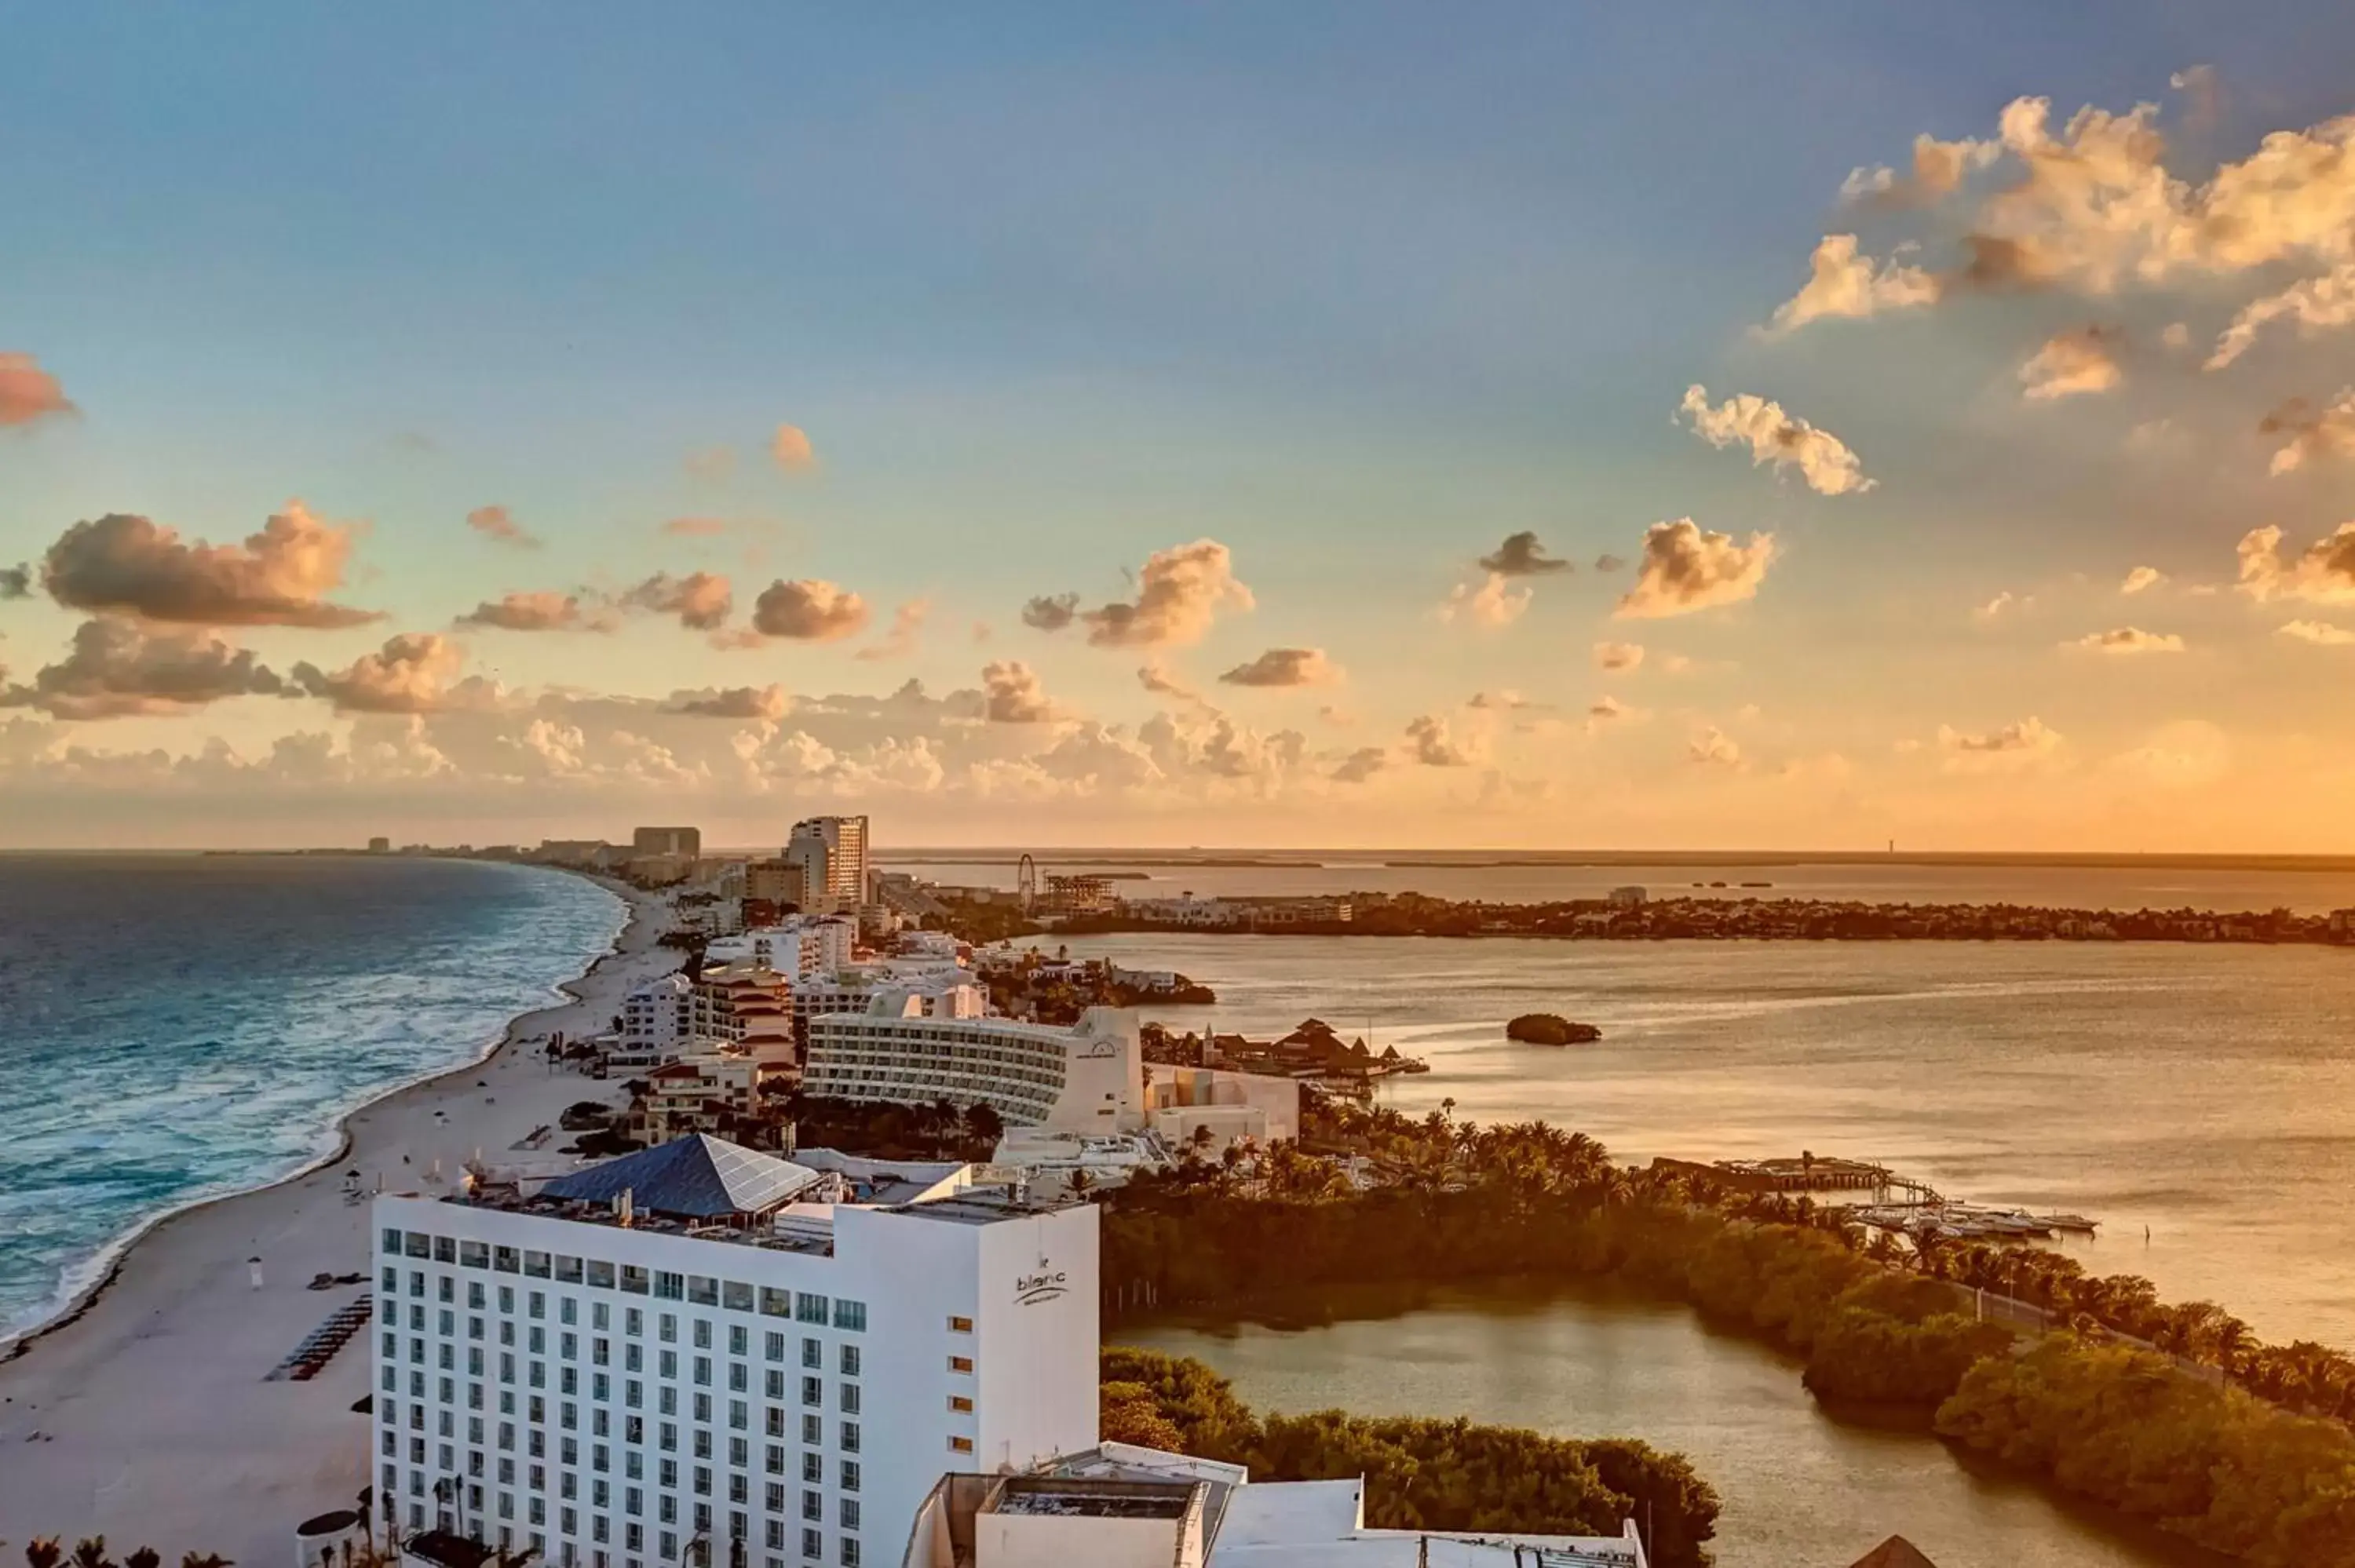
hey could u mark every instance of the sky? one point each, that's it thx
(1530, 425)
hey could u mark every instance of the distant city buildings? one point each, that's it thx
(685, 841)
(380, 846)
(831, 852)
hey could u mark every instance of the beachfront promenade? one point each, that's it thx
(151, 1418)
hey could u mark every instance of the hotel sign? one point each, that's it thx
(1030, 1289)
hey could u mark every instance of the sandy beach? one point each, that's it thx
(149, 1418)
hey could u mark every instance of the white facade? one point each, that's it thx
(603, 1393)
(798, 949)
(832, 854)
(1089, 1077)
(656, 1016)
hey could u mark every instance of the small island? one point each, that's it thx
(1550, 1029)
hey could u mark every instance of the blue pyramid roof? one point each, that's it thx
(698, 1177)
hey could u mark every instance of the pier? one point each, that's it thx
(1808, 1173)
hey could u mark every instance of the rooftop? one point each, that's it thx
(1076, 1498)
(698, 1177)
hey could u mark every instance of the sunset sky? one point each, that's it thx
(1524, 425)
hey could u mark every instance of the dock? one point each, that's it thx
(1807, 1173)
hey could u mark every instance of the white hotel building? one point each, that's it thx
(668, 1357)
(908, 1048)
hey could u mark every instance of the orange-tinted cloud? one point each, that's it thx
(1285, 667)
(1685, 570)
(701, 600)
(279, 576)
(790, 448)
(118, 669)
(27, 392)
(1774, 436)
(808, 610)
(412, 674)
(497, 523)
(1179, 594)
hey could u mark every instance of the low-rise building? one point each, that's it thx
(1088, 1078)
(1118, 1506)
(657, 1014)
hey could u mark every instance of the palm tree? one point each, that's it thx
(204, 1560)
(145, 1557)
(89, 1552)
(42, 1551)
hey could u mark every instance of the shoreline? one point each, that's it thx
(143, 1409)
(107, 1262)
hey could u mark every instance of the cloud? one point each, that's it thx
(1162, 681)
(2093, 207)
(412, 674)
(1939, 167)
(1520, 556)
(790, 450)
(2321, 633)
(1712, 748)
(2071, 363)
(1503, 700)
(2314, 305)
(2128, 640)
(2142, 578)
(906, 626)
(2323, 573)
(545, 612)
(808, 610)
(497, 523)
(1360, 764)
(769, 703)
(2317, 437)
(1013, 695)
(27, 392)
(1052, 611)
(118, 669)
(1618, 655)
(1430, 743)
(701, 600)
(277, 577)
(15, 582)
(1685, 570)
(2187, 753)
(694, 527)
(1842, 283)
(1286, 667)
(1777, 438)
(1495, 602)
(1604, 711)
(1608, 563)
(2030, 736)
(1994, 608)
(1179, 594)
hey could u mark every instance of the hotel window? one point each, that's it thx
(850, 1436)
(809, 1308)
(850, 1361)
(633, 1322)
(813, 1355)
(536, 1306)
(600, 1274)
(813, 1391)
(736, 1297)
(633, 1430)
(666, 1473)
(738, 1489)
(445, 1250)
(535, 1263)
(740, 1377)
(813, 1505)
(416, 1282)
(703, 1480)
(813, 1468)
(703, 1407)
(850, 1398)
(739, 1415)
(850, 1475)
(633, 1358)
(392, 1242)
(414, 1245)
(390, 1281)
(702, 1325)
(959, 1444)
(568, 1310)
(849, 1514)
(849, 1551)
(474, 1328)
(775, 1384)
(960, 1325)
(850, 1315)
(812, 1430)
(666, 1328)
(961, 1365)
(635, 1279)
(569, 1345)
(703, 1445)
(600, 1315)
(774, 1347)
(670, 1287)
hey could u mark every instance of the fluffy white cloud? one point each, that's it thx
(2024, 738)
(2314, 305)
(1495, 602)
(1014, 695)
(701, 600)
(1840, 283)
(2142, 578)
(1685, 570)
(279, 576)
(1430, 743)
(2321, 633)
(1939, 167)
(412, 674)
(537, 612)
(808, 610)
(2323, 572)
(769, 703)
(117, 670)
(1618, 655)
(1179, 594)
(1774, 436)
(2070, 364)
(1052, 611)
